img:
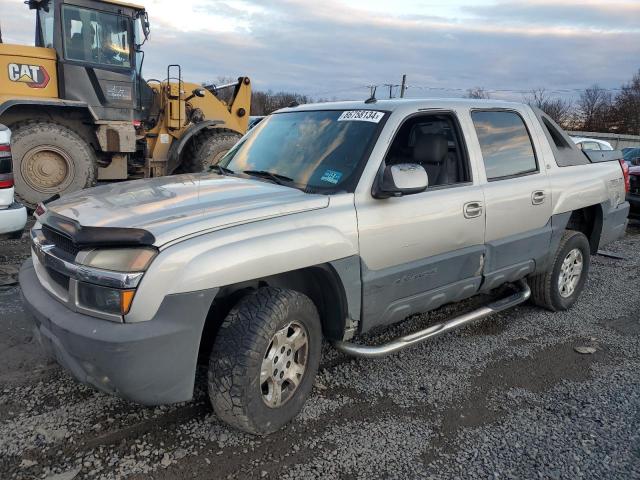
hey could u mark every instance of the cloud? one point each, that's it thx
(334, 49)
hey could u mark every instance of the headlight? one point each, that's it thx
(118, 259)
(104, 299)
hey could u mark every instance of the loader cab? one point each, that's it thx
(99, 59)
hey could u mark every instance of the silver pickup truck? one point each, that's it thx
(324, 222)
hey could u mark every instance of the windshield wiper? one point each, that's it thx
(275, 177)
(220, 169)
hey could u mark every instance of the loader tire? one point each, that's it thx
(207, 148)
(264, 360)
(50, 159)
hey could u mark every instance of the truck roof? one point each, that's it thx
(135, 6)
(405, 103)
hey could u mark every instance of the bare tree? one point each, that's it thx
(477, 92)
(561, 111)
(627, 107)
(263, 103)
(595, 108)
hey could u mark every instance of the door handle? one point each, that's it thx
(537, 197)
(472, 209)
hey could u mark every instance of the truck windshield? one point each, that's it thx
(321, 151)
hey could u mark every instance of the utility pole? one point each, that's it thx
(372, 90)
(404, 85)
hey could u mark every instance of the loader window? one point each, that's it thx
(45, 27)
(96, 37)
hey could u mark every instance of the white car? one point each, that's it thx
(13, 215)
(584, 143)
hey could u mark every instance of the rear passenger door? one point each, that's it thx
(517, 196)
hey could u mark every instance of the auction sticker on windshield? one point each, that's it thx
(361, 116)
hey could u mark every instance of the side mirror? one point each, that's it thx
(402, 179)
(198, 92)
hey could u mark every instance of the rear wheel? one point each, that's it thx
(207, 149)
(560, 287)
(50, 158)
(264, 360)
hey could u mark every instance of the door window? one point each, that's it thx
(433, 141)
(506, 146)
(96, 37)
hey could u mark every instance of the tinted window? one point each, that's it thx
(505, 143)
(96, 37)
(434, 142)
(318, 150)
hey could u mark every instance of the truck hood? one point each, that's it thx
(176, 206)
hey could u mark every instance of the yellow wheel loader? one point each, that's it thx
(80, 110)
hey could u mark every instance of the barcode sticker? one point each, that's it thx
(361, 116)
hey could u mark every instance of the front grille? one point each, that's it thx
(61, 280)
(61, 241)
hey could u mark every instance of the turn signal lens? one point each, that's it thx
(126, 297)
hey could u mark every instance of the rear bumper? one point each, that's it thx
(614, 224)
(12, 220)
(150, 363)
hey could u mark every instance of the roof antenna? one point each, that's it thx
(372, 98)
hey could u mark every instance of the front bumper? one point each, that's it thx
(12, 220)
(150, 363)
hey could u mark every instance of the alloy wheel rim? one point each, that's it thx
(570, 272)
(284, 364)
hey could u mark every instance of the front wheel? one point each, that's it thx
(560, 287)
(264, 360)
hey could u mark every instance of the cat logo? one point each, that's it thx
(35, 76)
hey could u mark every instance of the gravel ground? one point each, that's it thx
(508, 397)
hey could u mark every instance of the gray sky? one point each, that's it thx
(330, 49)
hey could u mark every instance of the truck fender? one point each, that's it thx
(215, 260)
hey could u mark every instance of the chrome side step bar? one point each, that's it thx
(405, 341)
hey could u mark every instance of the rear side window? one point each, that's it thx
(506, 145)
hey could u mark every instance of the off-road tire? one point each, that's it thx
(544, 287)
(207, 148)
(80, 172)
(239, 349)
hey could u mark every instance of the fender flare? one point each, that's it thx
(46, 103)
(176, 148)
